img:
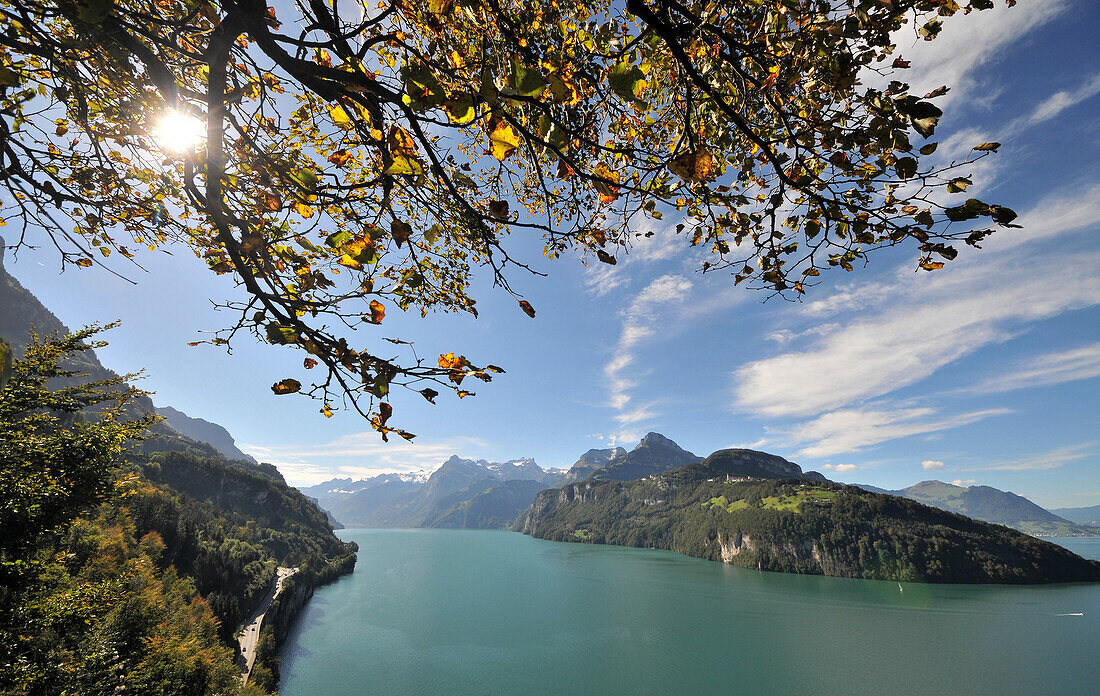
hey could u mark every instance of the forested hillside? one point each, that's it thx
(727, 508)
(126, 564)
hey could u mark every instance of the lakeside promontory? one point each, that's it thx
(759, 511)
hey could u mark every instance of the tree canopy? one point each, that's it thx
(342, 159)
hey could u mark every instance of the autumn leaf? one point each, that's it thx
(286, 386)
(503, 139)
(402, 164)
(377, 312)
(400, 142)
(309, 363)
(605, 183)
(339, 158)
(499, 209)
(694, 166)
(461, 110)
(606, 257)
(527, 308)
(429, 394)
(326, 411)
(340, 117)
(987, 147)
(400, 232)
(448, 361)
(358, 251)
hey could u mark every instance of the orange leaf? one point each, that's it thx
(526, 307)
(377, 312)
(450, 362)
(693, 166)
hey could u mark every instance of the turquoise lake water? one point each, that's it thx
(486, 613)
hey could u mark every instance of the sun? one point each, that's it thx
(178, 131)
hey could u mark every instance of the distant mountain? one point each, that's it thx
(495, 507)
(654, 454)
(990, 505)
(203, 431)
(589, 462)
(461, 492)
(1082, 515)
(759, 511)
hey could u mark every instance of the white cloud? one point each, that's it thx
(638, 415)
(1049, 368)
(640, 321)
(349, 455)
(931, 320)
(931, 464)
(1053, 459)
(602, 278)
(963, 482)
(852, 430)
(1060, 101)
(966, 43)
(850, 296)
(840, 468)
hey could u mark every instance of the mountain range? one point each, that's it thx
(480, 494)
(993, 505)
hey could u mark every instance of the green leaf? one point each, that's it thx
(524, 81)
(627, 81)
(404, 165)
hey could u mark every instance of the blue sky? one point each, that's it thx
(984, 372)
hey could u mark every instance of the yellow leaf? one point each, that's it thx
(341, 117)
(356, 252)
(503, 139)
